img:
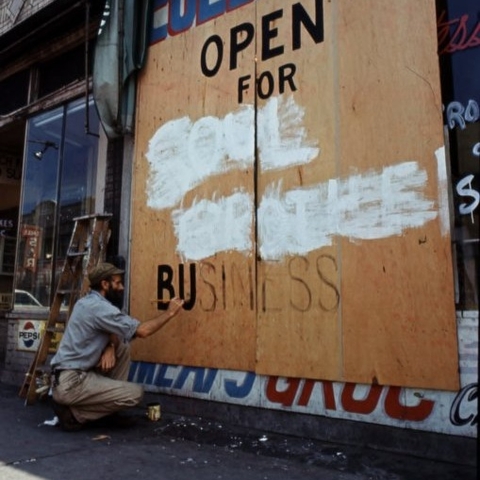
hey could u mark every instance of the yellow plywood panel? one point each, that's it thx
(299, 330)
(289, 182)
(371, 93)
(398, 306)
(193, 187)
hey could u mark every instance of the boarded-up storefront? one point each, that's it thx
(290, 183)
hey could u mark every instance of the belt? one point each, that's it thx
(57, 371)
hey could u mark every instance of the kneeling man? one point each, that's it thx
(90, 368)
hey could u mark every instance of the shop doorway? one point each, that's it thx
(12, 140)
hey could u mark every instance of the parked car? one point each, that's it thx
(24, 299)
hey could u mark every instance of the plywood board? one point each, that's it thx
(289, 182)
(299, 330)
(398, 307)
(389, 252)
(193, 195)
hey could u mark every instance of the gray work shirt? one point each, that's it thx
(88, 331)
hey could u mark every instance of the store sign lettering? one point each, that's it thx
(392, 405)
(5, 223)
(459, 114)
(10, 169)
(231, 286)
(241, 37)
(172, 17)
(464, 408)
(285, 392)
(32, 250)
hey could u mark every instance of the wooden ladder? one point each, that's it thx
(87, 248)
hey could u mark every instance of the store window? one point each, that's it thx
(459, 54)
(58, 185)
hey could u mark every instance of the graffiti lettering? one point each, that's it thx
(464, 407)
(476, 150)
(458, 115)
(454, 35)
(467, 209)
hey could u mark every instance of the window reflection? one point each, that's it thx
(59, 185)
(459, 55)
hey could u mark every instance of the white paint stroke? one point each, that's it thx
(183, 154)
(282, 140)
(443, 210)
(360, 207)
(213, 226)
(369, 206)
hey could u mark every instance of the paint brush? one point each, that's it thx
(163, 301)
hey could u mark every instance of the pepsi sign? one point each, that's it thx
(29, 334)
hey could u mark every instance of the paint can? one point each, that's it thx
(154, 412)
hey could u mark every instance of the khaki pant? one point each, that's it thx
(92, 395)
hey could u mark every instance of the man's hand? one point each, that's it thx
(149, 327)
(107, 360)
(174, 306)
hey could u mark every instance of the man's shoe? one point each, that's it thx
(115, 420)
(65, 416)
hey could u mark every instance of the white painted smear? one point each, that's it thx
(282, 140)
(443, 203)
(183, 154)
(213, 226)
(370, 206)
(360, 207)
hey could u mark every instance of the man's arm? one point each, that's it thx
(149, 327)
(107, 360)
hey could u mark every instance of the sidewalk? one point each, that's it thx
(180, 447)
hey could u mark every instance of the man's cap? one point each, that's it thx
(102, 272)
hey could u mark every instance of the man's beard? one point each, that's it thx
(115, 297)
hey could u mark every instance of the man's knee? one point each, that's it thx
(136, 393)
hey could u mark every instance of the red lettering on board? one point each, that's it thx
(366, 405)
(285, 397)
(394, 409)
